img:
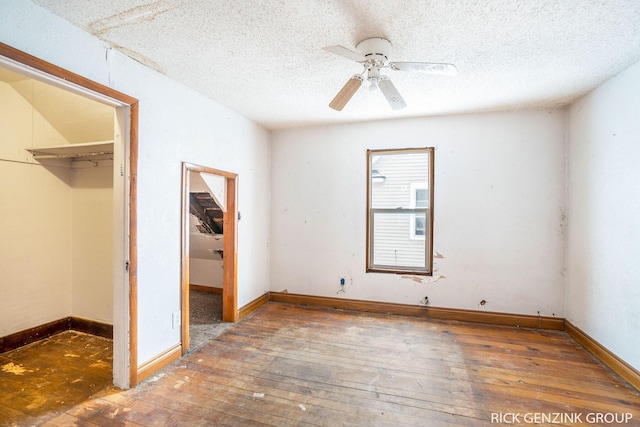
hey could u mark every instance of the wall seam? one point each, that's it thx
(565, 217)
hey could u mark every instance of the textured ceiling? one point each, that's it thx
(264, 60)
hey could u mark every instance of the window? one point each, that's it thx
(419, 199)
(400, 211)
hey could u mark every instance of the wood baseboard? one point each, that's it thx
(164, 359)
(520, 320)
(91, 327)
(617, 365)
(208, 289)
(245, 310)
(157, 363)
(40, 332)
(27, 336)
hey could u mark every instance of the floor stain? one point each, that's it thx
(12, 368)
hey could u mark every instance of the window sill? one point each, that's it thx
(399, 271)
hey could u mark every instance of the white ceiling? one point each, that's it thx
(263, 58)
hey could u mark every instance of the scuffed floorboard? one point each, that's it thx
(50, 376)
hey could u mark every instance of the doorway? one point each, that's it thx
(123, 155)
(209, 247)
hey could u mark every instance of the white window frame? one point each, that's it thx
(413, 187)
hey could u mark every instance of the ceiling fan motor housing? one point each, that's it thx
(375, 50)
(373, 54)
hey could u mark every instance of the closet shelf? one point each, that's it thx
(72, 151)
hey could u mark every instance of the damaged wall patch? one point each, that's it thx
(423, 279)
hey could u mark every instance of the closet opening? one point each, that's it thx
(67, 167)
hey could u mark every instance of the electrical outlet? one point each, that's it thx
(175, 320)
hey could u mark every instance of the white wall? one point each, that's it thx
(176, 124)
(35, 226)
(603, 251)
(499, 209)
(206, 272)
(92, 241)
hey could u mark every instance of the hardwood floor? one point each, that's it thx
(287, 365)
(52, 375)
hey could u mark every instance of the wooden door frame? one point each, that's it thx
(129, 328)
(229, 249)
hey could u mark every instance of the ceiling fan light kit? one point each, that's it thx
(373, 54)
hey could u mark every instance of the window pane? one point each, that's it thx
(420, 224)
(392, 245)
(392, 176)
(422, 198)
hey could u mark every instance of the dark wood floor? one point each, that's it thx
(287, 365)
(53, 375)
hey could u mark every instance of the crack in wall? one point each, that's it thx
(138, 57)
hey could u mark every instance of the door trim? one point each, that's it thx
(229, 248)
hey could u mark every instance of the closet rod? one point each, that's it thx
(19, 161)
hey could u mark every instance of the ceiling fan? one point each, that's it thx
(373, 54)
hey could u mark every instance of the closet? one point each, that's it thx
(56, 206)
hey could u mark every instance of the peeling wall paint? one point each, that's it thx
(423, 279)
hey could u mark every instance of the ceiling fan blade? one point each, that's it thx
(391, 93)
(345, 94)
(344, 52)
(425, 67)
